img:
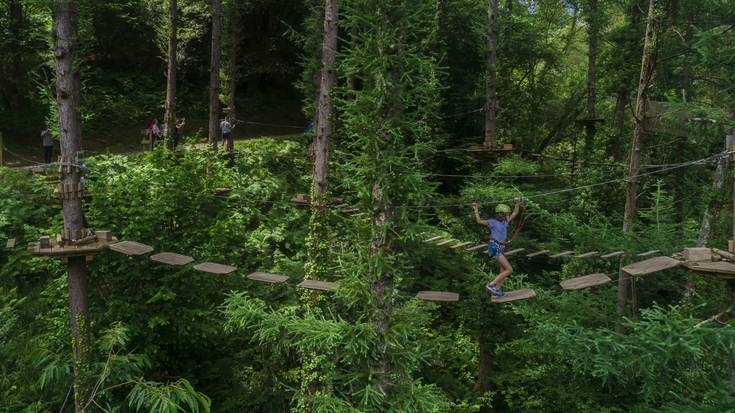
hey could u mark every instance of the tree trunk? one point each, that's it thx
(382, 291)
(170, 116)
(711, 213)
(710, 216)
(214, 73)
(484, 363)
(67, 97)
(324, 109)
(16, 27)
(318, 246)
(592, 37)
(491, 96)
(618, 123)
(232, 68)
(631, 188)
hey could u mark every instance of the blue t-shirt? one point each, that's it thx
(226, 126)
(498, 229)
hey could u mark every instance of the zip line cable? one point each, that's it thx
(543, 194)
(593, 185)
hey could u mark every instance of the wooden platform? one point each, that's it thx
(523, 294)
(612, 254)
(513, 252)
(318, 285)
(47, 247)
(537, 253)
(587, 254)
(172, 258)
(437, 296)
(10, 244)
(562, 254)
(722, 269)
(586, 281)
(214, 268)
(267, 278)
(131, 248)
(650, 266)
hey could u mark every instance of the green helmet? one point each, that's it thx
(502, 208)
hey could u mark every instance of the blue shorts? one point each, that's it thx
(495, 249)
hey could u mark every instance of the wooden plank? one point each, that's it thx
(586, 281)
(477, 247)
(514, 252)
(131, 248)
(437, 296)
(172, 258)
(722, 268)
(103, 235)
(222, 191)
(587, 254)
(267, 278)
(445, 242)
(562, 254)
(214, 268)
(523, 294)
(318, 285)
(10, 244)
(463, 244)
(724, 254)
(537, 253)
(432, 239)
(613, 254)
(648, 253)
(697, 254)
(650, 266)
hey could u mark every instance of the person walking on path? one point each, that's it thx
(48, 145)
(498, 227)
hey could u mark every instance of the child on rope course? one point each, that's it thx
(498, 227)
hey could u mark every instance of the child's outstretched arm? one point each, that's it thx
(516, 210)
(477, 215)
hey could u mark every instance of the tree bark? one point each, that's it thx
(631, 188)
(382, 291)
(592, 37)
(232, 68)
(491, 97)
(170, 116)
(324, 109)
(214, 108)
(593, 32)
(16, 26)
(67, 97)
(484, 363)
(712, 211)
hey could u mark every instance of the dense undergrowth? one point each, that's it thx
(168, 336)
